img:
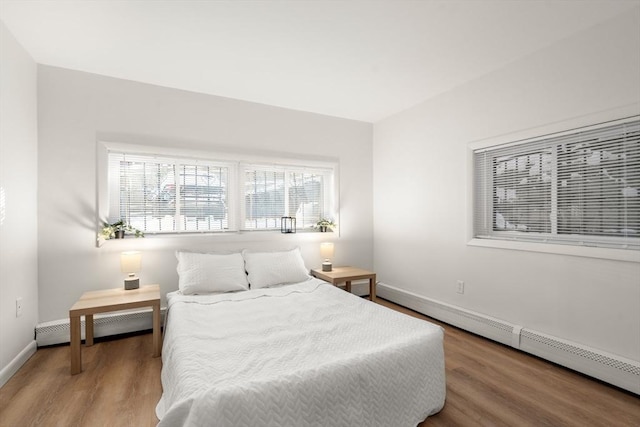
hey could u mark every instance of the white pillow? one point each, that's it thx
(203, 273)
(274, 268)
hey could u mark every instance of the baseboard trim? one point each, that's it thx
(480, 324)
(610, 368)
(57, 331)
(8, 371)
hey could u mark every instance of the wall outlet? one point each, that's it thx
(18, 307)
(460, 287)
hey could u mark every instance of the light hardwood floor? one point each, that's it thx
(488, 384)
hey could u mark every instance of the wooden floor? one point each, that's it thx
(488, 384)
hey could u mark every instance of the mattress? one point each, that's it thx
(307, 354)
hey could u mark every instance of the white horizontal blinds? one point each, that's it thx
(306, 197)
(156, 194)
(202, 197)
(482, 194)
(522, 190)
(599, 182)
(576, 188)
(175, 194)
(264, 197)
(271, 192)
(137, 192)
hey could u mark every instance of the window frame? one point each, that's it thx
(179, 166)
(508, 240)
(329, 193)
(235, 195)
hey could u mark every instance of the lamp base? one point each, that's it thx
(326, 266)
(131, 283)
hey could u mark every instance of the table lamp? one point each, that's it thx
(326, 252)
(130, 264)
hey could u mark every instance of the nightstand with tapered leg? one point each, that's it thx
(108, 300)
(347, 275)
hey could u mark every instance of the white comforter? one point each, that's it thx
(299, 355)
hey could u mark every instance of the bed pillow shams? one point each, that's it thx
(274, 268)
(200, 273)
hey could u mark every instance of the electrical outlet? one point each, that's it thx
(460, 287)
(18, 307)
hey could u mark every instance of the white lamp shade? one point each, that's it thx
(326, 250)
(130, 261)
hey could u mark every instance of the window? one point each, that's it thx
(578, 188)
(156, 194)
(273, 192)
(175, 194)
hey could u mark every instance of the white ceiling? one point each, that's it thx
(362, 60)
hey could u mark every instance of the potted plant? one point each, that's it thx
(117, 230)
(324, 224)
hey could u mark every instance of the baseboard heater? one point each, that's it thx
(613, 369)
(57, 331)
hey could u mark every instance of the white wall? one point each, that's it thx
(421, 205)
(76, 109)
(18, 181)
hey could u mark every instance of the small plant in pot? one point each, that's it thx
(324, 224)
(117, 230)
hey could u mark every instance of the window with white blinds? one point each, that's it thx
(164, 195)
(577, 188)
(271, 192)
(170, 194)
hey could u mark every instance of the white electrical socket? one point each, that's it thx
(460, 287)
(18, 307)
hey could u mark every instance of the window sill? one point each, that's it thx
(170, 240)
(580, 251)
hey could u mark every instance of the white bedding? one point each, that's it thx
(299, 355)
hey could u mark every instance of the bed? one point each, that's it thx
(304, 353)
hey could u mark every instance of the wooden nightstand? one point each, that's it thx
(107, 300)
(346, 275)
